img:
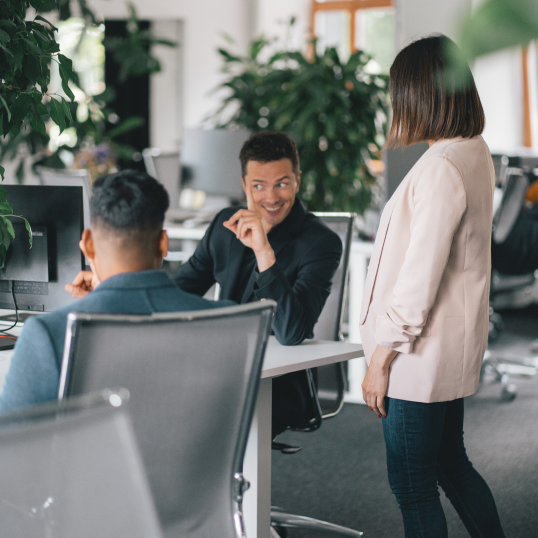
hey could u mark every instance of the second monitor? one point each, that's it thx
(211, 161)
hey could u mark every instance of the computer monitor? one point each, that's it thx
(166, 168)
(210, 161)
(69, 178)
(38, 275)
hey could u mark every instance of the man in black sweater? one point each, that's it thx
(273, 249)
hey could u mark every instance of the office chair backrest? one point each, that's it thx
(331, 380)
(328, 326)
(500, 164)
(74, 470)
(68, 178)
(166, 168)
(512, 201)
(193, 379)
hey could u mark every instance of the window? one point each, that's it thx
(350, 25)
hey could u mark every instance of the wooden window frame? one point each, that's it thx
(351, 6)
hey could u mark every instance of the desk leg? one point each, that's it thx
(358, 269)
(257, 467)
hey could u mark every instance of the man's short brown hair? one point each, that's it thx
(429, 101)
(267, 147)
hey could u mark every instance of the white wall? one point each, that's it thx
(180, 95)
(499, 81)
(498, 76)
(272, 17)
(416, 18)
(203, 22)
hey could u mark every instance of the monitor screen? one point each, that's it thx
(38, 275)
(68, 178)
(211, 161)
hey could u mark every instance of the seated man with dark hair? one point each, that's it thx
(273, 249)
(125, 245)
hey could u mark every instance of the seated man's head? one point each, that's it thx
(270, 171)
(127, 214)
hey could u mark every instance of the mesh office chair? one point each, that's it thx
(73, 470)
(329, 387)
(514, 186)
(193, 379)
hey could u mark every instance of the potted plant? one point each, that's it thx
(335, 110)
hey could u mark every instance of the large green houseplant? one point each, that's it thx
(92, 130)
(335, 110)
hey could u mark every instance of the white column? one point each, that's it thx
(359, 260)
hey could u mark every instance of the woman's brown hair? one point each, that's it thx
(429, 100)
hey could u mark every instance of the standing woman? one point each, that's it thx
(424, 319)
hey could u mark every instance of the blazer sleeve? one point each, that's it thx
(440, 201)
(300, 304)
(34, 372)
(196, 274)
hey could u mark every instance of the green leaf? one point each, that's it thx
(29, 230)
(228, 57)
(125, 126)
(57, 114)
(9, 226)
(65, 83)
(21, 107)
(499, 24)
(66, 63)
(4, 37)
(5, 105)
(8, 24)
(30, 68)
(32, 46)
(42, 109)
(6, 209)
(7, 51)
(40, 18)
(2, 172)
(67, 111)
(15, 59)
(37, 123)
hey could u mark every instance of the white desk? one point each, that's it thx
(279, 360)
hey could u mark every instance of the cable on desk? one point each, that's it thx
(16, 309)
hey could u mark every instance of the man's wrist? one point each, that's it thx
(265, 259)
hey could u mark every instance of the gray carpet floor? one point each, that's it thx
(340, 475)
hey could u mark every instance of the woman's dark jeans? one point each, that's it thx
(425, 447)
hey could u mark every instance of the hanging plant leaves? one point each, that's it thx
(57, 114)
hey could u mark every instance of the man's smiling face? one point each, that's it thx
(273, 187)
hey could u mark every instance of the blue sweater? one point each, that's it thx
(34, 372)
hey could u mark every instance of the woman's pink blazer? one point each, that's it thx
(427, 290)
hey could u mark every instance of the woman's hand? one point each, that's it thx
(374, 386)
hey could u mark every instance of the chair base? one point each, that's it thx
(291, 521)
(502, 369)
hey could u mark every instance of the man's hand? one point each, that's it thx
(374, 386)
(83, 283)
(248, 227)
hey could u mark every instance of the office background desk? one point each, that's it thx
(279, 360)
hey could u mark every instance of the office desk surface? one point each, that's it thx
(281, 359)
